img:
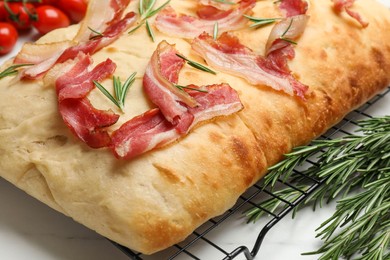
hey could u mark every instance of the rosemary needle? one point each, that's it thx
(12, 70)
(146, 11)
(120, 90)
(190, 88)
(258, 22)
(150, 30)
(97, 34)
(196, 64)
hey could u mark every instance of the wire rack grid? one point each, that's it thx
(254, 199)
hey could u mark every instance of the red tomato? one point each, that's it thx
(3, 12)
(75, 9)
(50, 18)
(8, 37)
(20, 15)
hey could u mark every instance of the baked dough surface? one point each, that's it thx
(157, 199)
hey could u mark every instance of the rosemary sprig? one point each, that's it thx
(181, 87)
(149, 12)
(364, 221)
(259, 22)
(120, 91)
(97, 34)
(354, 163)
(196, 64)
(137, 27)
(146, 11)
(149, 30)
(12, 70)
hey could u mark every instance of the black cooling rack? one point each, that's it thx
(257, 194)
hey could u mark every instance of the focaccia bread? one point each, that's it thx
(156, 199)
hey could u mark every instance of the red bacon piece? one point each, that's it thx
(100, 14)
(228, 54)
(80, 84)
(93, 45)
(86, 122)
(151, 130)
(44, 56)
(59, 52)
(219, 100)
(111, 34)
(161, 73)
(289, 29)
(294, 7)
(142, 133)
(341, 5)
(185, 26)
(211, 13)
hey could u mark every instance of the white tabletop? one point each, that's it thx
(31, 230)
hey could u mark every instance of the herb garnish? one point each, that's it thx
(97, 34)
(146, 11)
(150, 30)
(12, 70)
(354, 163)
(258, 22)
(196, 65)
(120, 90)
(181, 87)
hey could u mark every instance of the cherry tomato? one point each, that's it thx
(20, 15)
(75, 9)
(8, 37)
(3, 12)
(50, 18)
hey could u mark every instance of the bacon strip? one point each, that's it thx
(111, 34)
(341, 5)
(161, 72)
(100, 14)
(35, 53)
(290, 28)
(86, 122)
(167, 21)
(228, 54)
(152, 130)
(219, 100)
(142, 133)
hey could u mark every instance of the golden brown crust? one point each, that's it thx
(159, 198)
